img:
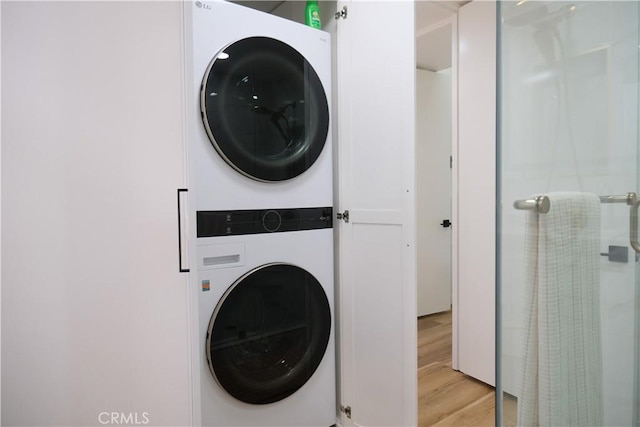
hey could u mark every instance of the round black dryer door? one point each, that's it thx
(264, 109)
(268, 333)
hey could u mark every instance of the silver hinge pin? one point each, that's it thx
(341, 13)
(346, 410)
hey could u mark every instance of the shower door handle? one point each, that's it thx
(633, 226)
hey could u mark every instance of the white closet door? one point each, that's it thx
(94, 318)
(377, 271)
(476, 190)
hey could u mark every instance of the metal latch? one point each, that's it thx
(341, 13)
(445, 223)
(344, 215)
(346, 410)
(617, 253)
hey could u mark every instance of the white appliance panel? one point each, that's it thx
(314, 403)
(215, 26)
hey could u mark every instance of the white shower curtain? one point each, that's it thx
(562, 373)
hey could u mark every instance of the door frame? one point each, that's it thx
(453, 22)
(454, 190)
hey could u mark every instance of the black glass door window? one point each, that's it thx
(268, 333)
(264, 109)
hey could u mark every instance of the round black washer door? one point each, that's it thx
(264, 109)
(268, 333)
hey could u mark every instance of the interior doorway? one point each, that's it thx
(434, 136)
(436, 70)
(439, 384)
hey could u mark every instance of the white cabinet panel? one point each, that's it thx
(93, 307)
(377, 291)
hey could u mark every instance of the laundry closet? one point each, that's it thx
(101, 246)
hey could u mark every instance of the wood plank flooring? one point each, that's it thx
(447, 397)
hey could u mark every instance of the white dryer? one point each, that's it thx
(261, 86)
(266, 324)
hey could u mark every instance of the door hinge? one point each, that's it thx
(342, 13)
(346, 410)
(450, 162)
(344, 216)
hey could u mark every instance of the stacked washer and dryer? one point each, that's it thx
(262, 161)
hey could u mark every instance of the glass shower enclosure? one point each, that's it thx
(569, 192)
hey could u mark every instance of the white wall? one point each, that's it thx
(94, 314)
(570, 122)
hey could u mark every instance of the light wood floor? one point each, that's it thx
(447, 397)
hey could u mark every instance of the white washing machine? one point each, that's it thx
(261, 86)
(266, 322)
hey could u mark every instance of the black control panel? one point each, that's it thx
(235, 223)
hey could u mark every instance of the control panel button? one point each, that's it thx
(271, 221)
